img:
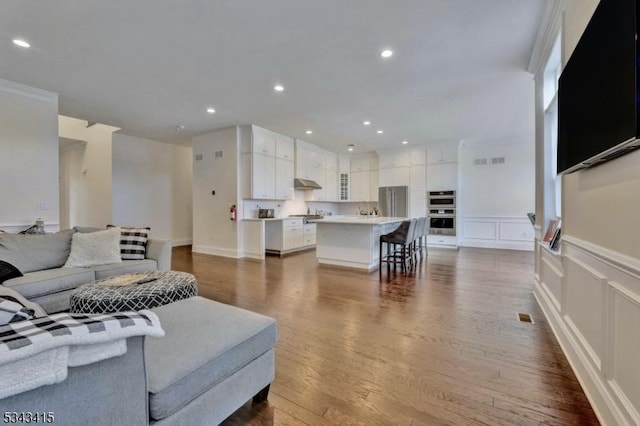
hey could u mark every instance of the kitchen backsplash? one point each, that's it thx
(300, 206)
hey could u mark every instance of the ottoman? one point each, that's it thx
(212, 359)
(133, 292)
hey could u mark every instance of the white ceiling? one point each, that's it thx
(458, 69)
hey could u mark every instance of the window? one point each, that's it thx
(553, 182)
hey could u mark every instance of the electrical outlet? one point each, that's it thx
(42, 205)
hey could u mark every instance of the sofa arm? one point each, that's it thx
(160, 251)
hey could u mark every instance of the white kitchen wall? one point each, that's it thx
(152, 187)
(91, 204)
(29, 157)
(494, 198)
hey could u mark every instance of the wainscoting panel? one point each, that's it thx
(585, 287)
(596, 319)
(504, 232)
(625, 379)
(551, 276)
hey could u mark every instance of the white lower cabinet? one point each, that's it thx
(289, 235)
(445, 241)
(309, 234)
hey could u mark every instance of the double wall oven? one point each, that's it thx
(442, 212)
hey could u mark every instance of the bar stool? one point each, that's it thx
(420, 235)
(403, 237)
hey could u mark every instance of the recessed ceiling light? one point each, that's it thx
(380, 131)
(21, 43)
(309, 132)
(278, 87)
(366, 123)
(211, 110)
(386, 53)
(178, 127)
(350, 147)
(405, 142)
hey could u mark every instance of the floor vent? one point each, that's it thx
(525, 318)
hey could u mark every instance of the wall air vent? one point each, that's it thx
(480, 162)
(497, 160)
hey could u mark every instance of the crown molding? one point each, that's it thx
(549, 27)
(28, 91)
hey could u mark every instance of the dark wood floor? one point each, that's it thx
(442, 346)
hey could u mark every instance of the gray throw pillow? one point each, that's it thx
(35, 252)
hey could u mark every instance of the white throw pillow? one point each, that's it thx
(96, 248)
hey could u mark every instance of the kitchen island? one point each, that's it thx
(352, 241)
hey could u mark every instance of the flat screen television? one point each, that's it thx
(598, 90)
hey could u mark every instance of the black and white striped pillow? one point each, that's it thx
(133, 242)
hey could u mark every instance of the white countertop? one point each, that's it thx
(359, 220)
(255, 219)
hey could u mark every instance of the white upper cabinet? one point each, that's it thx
(331, 161)
(263, 176)
(360, 163)
(344, 163)
(263, 141)
(418, 178)
(397, 158)
(285, 148)
(268, 162)
(443, 153)
(442, 177)
(305, 160)
(284, 179)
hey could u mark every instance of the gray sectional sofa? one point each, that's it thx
(41, 257)
(212, 360)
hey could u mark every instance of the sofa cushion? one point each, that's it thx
(49, 281)
(95, 248)
(205, 342)
(35, 252)
(125, 267)
(8, 271)
(87, 229)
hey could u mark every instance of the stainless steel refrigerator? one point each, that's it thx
(394, 201)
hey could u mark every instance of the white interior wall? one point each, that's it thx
(92, 202)
(496, 189)
(213, 231)
(29, 157)
(152, 187)
(590, 292)
(494, 199)
(71, 177)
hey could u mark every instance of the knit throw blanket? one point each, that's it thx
(39, 351)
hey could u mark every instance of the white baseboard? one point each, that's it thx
(216, 251)
(259, 256)
(182, 242)
(494, 244)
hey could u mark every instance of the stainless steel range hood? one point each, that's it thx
(305, 184)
